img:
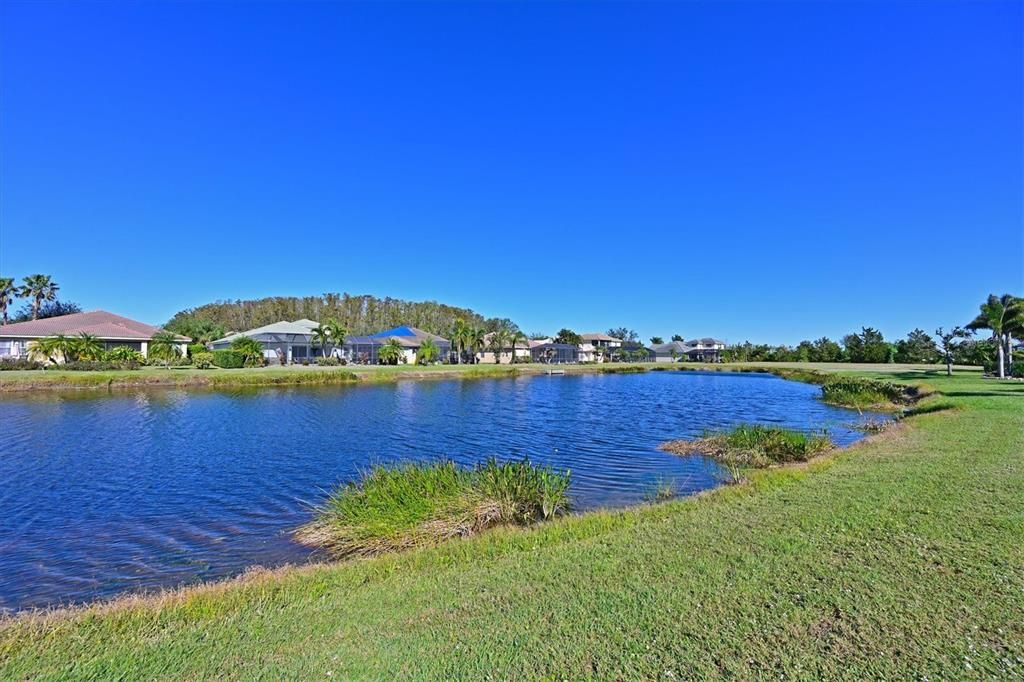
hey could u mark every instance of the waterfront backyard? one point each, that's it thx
(898, 557)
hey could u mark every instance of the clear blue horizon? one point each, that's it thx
(762, 171)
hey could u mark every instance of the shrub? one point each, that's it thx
(228, 359)
(197, 348)
(329, 361)
(203, 360)
(19, 363)
(97, 366)
(251, 351)
(124, 354)
(411, 505)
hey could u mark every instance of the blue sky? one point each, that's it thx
(764, 171)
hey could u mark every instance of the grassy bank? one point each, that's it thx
(421, 504)
(898, 558)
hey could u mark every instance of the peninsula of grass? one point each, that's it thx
(753, 445)
(897, 558)
(421, 504)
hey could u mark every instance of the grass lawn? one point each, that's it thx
(902, 557)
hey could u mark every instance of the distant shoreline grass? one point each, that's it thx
(187, 377)
(410, 505)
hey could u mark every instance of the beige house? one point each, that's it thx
(486, 356)
(112, 330)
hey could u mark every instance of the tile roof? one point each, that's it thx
(99, 323)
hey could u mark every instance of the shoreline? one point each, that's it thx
(751, 475)
(23, 381)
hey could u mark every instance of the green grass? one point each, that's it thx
(754, 445)
(420, 504)
(899, 558)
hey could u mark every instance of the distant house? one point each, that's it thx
(551, 353)
(674, 351)
(522, 351)
(112, 330)
(283, 342)
(364, 349)
(705, 350)
(598, 340)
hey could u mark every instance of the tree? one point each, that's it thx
(39, 288)
(868, 346)
(7, 294)
(164, 346)
(624, 334)
(918, 347)
(516, 338)
(51, 348)
(996, 315)
(499, 342)
(48, 309)
(460, 338)
(391, 352)
(475, 341)
(826, 350)
(949, 343)
(250, 349)
(200, 330)
(336, 331)
(657, 340)
(427, 353)
(568, 336)
(321, 335)
(87, 347)
(677, 337)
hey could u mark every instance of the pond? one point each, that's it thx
(108, 493)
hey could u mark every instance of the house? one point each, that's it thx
(522, 351)
(112, 330)
(705, 350)
(283, 342)
(597, 347)
(601, 340)
(674, 351)
(364, 349)
(551, 353)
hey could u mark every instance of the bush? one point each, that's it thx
(203, 360)
(412, 505)
(228, 359)
(1017, 370)
(197, 348)
(124, 354)
(97, 366)
(19, 363)
(329, 361)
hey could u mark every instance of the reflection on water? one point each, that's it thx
(109, 493)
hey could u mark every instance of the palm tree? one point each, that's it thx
(87, 347)
(337, 332)
(321, 335)
(390, 352)
(164, 346)
(499, 341)
(250, 349)
(515, 338)
(39, 288)
(460, 338)
(476, 341)
(996, 313)
(427, 352)
(7, 294)
(51, 348)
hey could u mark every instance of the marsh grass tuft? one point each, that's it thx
(662, 490)
(420, 504)
(753, 445)
(861, 392)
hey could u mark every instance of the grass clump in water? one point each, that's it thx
(754, 445)
(420, 504)
(862, 392)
